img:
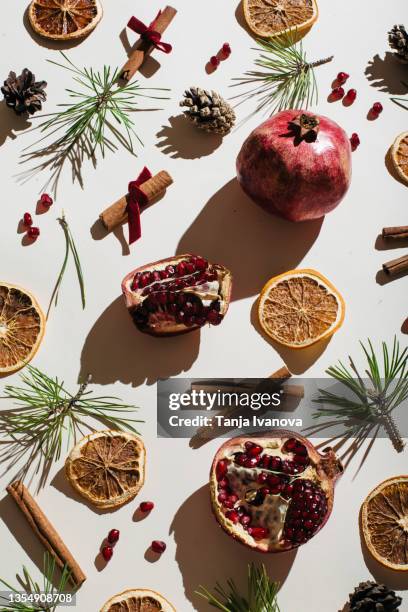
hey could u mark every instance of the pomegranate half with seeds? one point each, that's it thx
(177, 295)
(273, 491)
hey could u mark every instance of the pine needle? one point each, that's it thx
(284, 80)
(34, 591)
(69, 248)
(46, 411)
(261, 593)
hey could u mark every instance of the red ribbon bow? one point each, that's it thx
(149, 34)
(136, 199)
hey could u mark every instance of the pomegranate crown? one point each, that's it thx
(306, 126)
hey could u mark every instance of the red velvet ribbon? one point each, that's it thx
(149, 34)
(136, 199)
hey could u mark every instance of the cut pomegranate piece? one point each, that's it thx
(278, 498)
(177, 295)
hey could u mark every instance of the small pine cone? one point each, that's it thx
(23, 93)
(372, 597)
(398, 39)
(208, 111)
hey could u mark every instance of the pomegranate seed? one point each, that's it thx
(221, 469)
(288, 490)
(189, 268)
(33, 232)
(233, 516)
(146, 506)
(265, 461)
(300, 449)
(290, 444)
(224, 483)
(273, 480)
(251, 462)
(337, 93)
(201, 264)
(245, 520)
(222, 496)
(255, 451)
(258, 533)
(342, 77)
(377, 107)
(351, 96)
(46, 200)
(301, 459)
(27, 219)
(214, 61)
(214, 317)
(240, 458)
(355, 141)
(262, 477)
(275, 463)
(171, 270)
(107, 553)
(158, 546)
(113, 536)
(265, 491)
(164, 274)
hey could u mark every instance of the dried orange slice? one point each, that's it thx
(299, 308)
(384, 522)
(22, 326)
(138, 600)
(399, 156)
(269, 18)
(107, 468)
(64, 19)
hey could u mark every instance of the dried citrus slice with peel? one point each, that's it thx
(399, 155)
(274, 18)
(299, 308)
(64, 19)
(138, 600)
(107, 468)
(384, 523)
(22, 326)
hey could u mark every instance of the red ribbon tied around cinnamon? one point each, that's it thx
(136, 199)
(149, 34)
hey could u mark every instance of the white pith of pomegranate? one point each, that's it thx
(273, 492)
(177, 295)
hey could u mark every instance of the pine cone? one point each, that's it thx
(372, 597)
(23, 94)
(398, 39)
(208, 111)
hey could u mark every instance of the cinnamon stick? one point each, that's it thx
(143, 49)
(155, 187)
(395, 233)
(45, 531)
(396, 266)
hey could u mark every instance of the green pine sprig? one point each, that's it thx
(375, 394)
(284, 78)
(261, 593)
(70, 248)
(46, 414)
(98, 118)
(33, 588)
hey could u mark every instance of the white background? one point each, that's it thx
(203, 212)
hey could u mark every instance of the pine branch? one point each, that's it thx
(261, 594)
(34, 431)
(376, 393)
(97, 119)
(285, 79)
(33, 589)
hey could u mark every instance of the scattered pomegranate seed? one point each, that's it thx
(107, 553)
(355, 141)
(113, 536)
(146, 506)
(46, 200)
(158, 546)
(214, 61)
(337, 93)
(27, 219)
(33, 232)
(226, 48)
(350, 96)
(376, 109)
(342, 77)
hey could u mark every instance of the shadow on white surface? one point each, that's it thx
(115, 350)
(206, 555)
(61, 484)
(180, 139)
(297, 361)
(387, 74)
(250, 242)
(10, 123)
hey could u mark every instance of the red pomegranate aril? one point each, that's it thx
(113, 536)
(46, 200)
(337, 93)
(258, 533)
(342, 77)
(265, 491)
(377, 108)
(171, 270)
(27, 219)
(275, 463)
(233, 516)
(300, 449)
(158, 546)
(201, 264)
(255, 451)
(308, 524)
(351, 96)
(214, 61)
(251, 462)
(146, 506)
(354, 141)
(245, 520)
(222, 497)
(265, 461)
(301, 459)
(33, 232)
(287, 490)
(223, 483)
(107, 553)
(273, 480)
(226, 47)
(262, 477)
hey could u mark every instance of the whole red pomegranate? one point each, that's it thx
(296, 165)
(177, 295)
(273, 491)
